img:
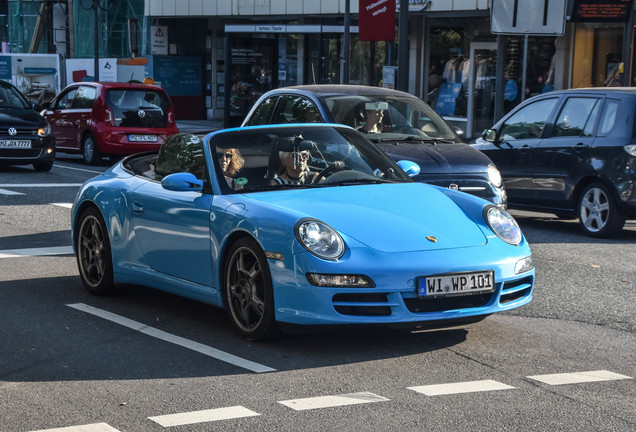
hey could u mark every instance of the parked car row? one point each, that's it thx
(92, 119)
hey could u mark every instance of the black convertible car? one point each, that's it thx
(25, 137)
(402, 125)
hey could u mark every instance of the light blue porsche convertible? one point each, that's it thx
(298, 225)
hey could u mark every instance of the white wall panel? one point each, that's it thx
(295, 7)
(196, 7)
(209, 7)
(331, 6)
(182, 8)
(278, 7)
(465, 4)
(262, 7)
(311, 7)
(169, 7)
(224, 7)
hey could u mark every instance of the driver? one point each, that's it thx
(295, 169)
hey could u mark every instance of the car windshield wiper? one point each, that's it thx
(269, 188)
(356, 181)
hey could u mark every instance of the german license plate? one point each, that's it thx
(455, 284)
(15, 144)
(142, 138)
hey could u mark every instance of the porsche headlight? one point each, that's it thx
(319, 239)
(494, 175)
(502, 224)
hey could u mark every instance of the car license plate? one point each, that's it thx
(142, 138)
(15, 144)
(455, 284)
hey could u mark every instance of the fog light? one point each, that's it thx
(524, 265)
(49, 150)
(340, 280)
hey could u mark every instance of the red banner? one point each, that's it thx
(376, 20)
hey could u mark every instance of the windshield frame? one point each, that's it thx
(326, 143)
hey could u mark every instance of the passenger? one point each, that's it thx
(372, 116)
(231, 162)
(295, 169)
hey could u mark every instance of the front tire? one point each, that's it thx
(598, 213)
(43, 166)
(248, 290)
(90, 151)
(94, 258)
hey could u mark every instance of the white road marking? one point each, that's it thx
(31, 252)
(78, 169)
(8, 192)
(460, 387)
(65, 205)
(177, 340)
(332, 401)
(203, 416)
(39, 185)
(578, 377)
(95, 427)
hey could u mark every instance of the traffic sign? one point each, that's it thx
(528, 17)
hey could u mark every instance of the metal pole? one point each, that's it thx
(499, 82)
(525, 68)
(96, 8)
(347, 38)
(403, 54)
(628, 34)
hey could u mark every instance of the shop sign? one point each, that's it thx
(600, 10)
(376, 20)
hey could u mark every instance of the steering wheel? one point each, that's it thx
(334, 167)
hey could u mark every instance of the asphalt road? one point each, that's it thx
(148, 361)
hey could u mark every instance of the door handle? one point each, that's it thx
(580, 146)
(524, 149)
(137, 208)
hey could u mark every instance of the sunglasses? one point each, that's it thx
(224, 155)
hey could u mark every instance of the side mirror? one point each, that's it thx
(410, 168)
(489, 135)
(182, 182)
(459, 131)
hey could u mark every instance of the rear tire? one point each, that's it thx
(599, 216)
(248, 290)
(91, 153)
(94, 258)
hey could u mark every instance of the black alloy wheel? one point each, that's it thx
(248, 290)
(93, 253)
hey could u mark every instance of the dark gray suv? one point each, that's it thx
(571, 153)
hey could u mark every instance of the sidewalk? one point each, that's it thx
(199, 126)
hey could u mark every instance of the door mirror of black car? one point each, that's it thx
(490, 135)
(37, 107)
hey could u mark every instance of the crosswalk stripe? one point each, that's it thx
(65, 205)
(203, 416)
(332, 401)
(578, 377)
(95, 427)
(30, 252)
(460, 387)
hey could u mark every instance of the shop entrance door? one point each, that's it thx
(481, 88)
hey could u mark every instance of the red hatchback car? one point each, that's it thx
(110, 119)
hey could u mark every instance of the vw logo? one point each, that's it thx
(13, 131)
(141, 113)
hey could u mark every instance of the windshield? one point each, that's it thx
(258, 159)
(389, 116)
(11, 98)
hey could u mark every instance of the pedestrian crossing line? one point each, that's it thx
(95, 427)
(31, 252)
(578, 377)
(460, 387)
(332, 401)
(203, 416)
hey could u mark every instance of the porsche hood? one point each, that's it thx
(389, 217)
